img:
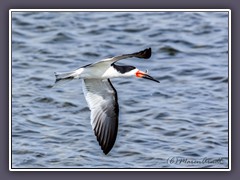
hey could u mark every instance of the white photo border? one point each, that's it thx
(119, 10)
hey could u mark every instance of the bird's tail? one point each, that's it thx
(64, 77)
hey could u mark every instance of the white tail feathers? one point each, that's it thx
(64, 77)
(67, 76)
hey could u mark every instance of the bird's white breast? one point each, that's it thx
(111, 73)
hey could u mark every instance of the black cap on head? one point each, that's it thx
(123, 69)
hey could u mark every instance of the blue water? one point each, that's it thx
(160, 125)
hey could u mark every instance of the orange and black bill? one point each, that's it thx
(145, 76)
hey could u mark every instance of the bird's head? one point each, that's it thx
(127, 71)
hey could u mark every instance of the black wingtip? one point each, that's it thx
(105, 149)
(107, 145)
(146, 53)
(106, 152)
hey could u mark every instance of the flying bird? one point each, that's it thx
(100, 94)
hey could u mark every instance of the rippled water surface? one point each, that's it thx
(166, 125)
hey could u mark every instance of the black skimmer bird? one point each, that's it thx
(100, 94)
